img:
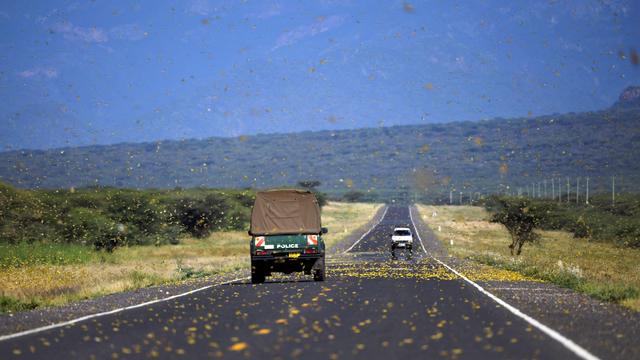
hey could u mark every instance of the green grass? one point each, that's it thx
(24, 254)
(11, 305)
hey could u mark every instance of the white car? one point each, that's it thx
(401, 239)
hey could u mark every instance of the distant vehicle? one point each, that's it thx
(401, 239)
(286, 235)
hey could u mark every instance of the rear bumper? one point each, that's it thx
(268, 264)
(401, 245)
(285, 257)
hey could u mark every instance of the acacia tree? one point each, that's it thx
(309, 184)
(312, 185)
(353, 196)
(514, 215)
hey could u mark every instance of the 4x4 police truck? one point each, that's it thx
(286, 234)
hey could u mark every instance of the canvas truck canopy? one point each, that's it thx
(278, 212)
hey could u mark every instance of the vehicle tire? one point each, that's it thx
(257, 275)
(319, 274)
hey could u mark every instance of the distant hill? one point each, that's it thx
(387, 162)
(629, 98)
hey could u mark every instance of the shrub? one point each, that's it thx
(201, 216)
(581, 229)
(136, 209)
(87, 226)
(627, 232)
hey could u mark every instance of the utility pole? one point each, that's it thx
(577, 190)
(587, 201)
(553, 189)
(470, 198)
(545, 188)
(539, 189)
(613, 190)
(559, 190)
(568, 189)
(450, 197)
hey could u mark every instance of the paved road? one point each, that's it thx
(369, 307)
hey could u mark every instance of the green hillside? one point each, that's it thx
(424, 161)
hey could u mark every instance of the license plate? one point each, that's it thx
(400, 245)
(294, 255)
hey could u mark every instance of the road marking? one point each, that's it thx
(367, 233)
(566, 342)
(87, 317)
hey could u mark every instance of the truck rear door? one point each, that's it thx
(287, 245)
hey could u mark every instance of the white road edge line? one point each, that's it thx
(566, 342)
(368, 231)
(87, 317)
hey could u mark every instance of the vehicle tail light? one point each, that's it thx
(310, 251)
(260, 252)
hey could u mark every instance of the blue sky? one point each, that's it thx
(101, 72)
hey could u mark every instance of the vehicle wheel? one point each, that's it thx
(257, 275)
(318, 274)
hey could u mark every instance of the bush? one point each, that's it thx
(136, 209)
(24, 216)
(87, 226)
(201, 216)
(581, 229)
(627, 232)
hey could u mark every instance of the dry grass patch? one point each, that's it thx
(599, 269)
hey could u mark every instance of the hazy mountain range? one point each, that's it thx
(483, 156)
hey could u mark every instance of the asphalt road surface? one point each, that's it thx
(370, 307)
